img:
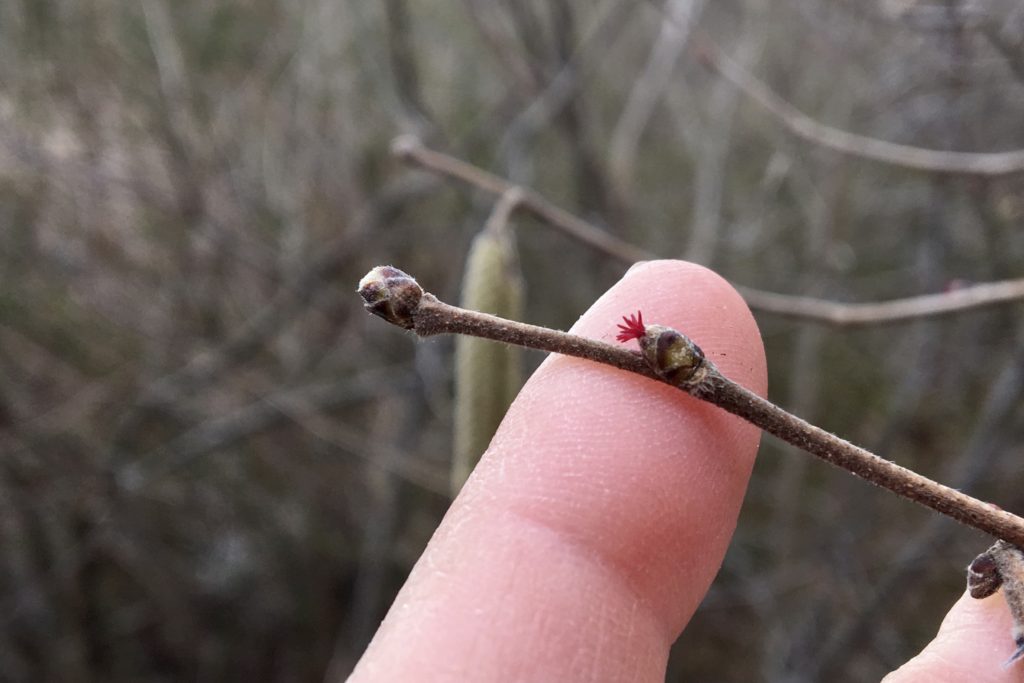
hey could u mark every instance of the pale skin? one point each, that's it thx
(595, 523)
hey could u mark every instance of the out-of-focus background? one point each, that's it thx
(215, 466)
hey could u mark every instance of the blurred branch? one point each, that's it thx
(713, 153)
(882, 312)
(167, 52)
(412, 151)
(838, 314)
(1007, 48)
(558, 97)
(387, 458)
(844, 142)
(649, 89)
(172, 390)
(267, 412)
(510, 60)
(402, 54)
(23, 154)
(255, 331)
(178, 125)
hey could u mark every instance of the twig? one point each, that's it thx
(171, 391)
(993, 31)
(670, 357)
(404, 63)
(411, 150)
(883, 312)
(835, 313)
(573, 63)
(712, 164)
(976, 460)
(170, 64)
(275, 314)
(495, 35)
(649, 88)
(497, 222)
(845, 142)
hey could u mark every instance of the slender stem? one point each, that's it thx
(396, 297)
(841, 314)
(738, 400)
(436, 317)
(411, 150)
(990, 164)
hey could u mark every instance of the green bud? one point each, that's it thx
(672, 354)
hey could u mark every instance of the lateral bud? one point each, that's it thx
(1001, 566)
(672, 355)
(391, 294)
(983, 577)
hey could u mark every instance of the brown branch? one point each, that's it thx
(648, 90)
(673, 359)
(411, 150)
(882, 312)
(976, 460)
(497, 222)
(845, 142)
(834, 313)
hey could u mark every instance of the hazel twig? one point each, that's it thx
(670, 357)
(986, 164)
(411, 150)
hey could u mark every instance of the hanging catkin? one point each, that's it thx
(487, 375)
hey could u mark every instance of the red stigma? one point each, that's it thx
(632, 329)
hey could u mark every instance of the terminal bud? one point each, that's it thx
(392, 294)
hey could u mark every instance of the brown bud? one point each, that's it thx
(672, 354)
(983, 578)
(392, 294)
(1002, 566)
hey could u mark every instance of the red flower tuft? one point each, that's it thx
(632, 329)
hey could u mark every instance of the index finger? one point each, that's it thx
(594, 524)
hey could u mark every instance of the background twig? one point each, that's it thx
(844, 142)
(835, 313)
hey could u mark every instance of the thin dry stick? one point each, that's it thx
(649, 88)
(411, 150)
(892, 311)
(670, 357)
(844, 142)
(834, 313)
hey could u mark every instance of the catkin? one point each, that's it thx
(487, 375)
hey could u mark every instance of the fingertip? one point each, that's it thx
(973, 644)
(698, 302)
(660, 474)
(598, 517)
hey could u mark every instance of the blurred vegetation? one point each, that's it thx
(215, 466)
